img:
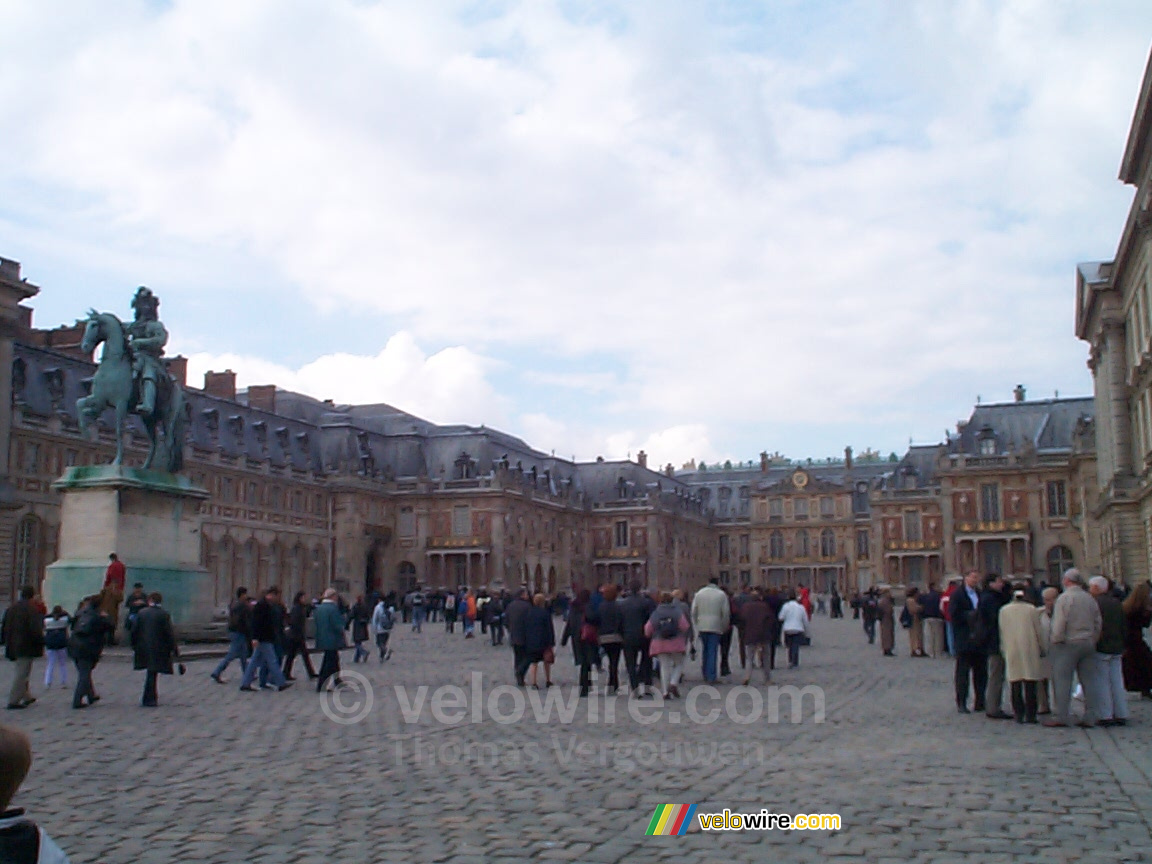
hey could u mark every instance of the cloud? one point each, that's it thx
(450, 386)
(787, 222)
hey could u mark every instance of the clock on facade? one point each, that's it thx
(799, 479)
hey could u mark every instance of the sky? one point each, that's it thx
(701, 229)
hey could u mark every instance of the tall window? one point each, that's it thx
(407, 522)
(912, 526)
(776, 546)
(990, 502)
(1057, 495)
(461, 520)
(621, 534)
(725, 551)
(775, 508)
(987, 446)
(1059, 560)
(745, 544)
(827, 543)
(26, 563)
(801, 505)
(860, 498)
(862, 544)
(827, 507)
(802, 547)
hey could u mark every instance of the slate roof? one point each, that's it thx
(1045, 425)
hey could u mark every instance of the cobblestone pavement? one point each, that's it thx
(216, 775)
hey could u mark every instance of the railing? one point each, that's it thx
(912, 545)
(1000, 527)
(456, 542)
(620, 552)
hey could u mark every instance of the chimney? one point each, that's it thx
(222, 385)
(763, 461)
(1019, 392)
(178, 368)
(262, 397)
(848, 458)
(669, 470)
(642, 459)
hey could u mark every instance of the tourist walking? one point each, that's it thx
(264, 630)
(667, 628)
(585, 641)
(635, 610)
(23, 632)
(869, 614)
(539, 639)
(329, 622)
(494, 612)
(296, 643)
(22, 841)
(419, 609)
(1023, 643)
(359, 620)
(755, 623)
(154, 646)
(450, 612)
(1137, 659)
(1076, 625)
(382, 622)
(794, 622)
(933, 622)
(239, 635)
(968, 634)
(56, 646)
(886, 616)
(1110, 700)
(1044, 685)
(610, 634)
(136, 601)
(516, 615)
(710, 618)
(89, 635)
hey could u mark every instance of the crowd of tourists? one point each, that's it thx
(1045, 647)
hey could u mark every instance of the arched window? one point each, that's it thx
(802, 544)
(1059, 560)
(827, 543)
(776, 546)
(251, 560)
(26, 560)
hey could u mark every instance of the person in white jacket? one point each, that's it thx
(794, 624)
(711, 613)
(381, 624)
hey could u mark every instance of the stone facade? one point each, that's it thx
(1114, 316)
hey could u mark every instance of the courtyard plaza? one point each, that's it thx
(217, 775)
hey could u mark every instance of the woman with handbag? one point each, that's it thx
(539, 639)
(582, 632)
(610, 635)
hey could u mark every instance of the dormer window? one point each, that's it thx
(987, 446)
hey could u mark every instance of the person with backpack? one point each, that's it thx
(136, 601)
(86, 645)
(667, 628)
(382, 621)
(417, 602)
(56, 646)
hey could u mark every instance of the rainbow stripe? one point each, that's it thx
(671, 820)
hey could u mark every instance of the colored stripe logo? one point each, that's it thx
(671, 820)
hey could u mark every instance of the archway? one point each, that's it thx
(406, 577)
(550, 588)
(538, 580)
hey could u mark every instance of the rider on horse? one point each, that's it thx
(146, 339)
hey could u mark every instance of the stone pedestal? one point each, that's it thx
(150, 519)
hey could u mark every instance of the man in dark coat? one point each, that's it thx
(88, 637)
(23, 631)
(969, 641)
(267, 627)
(154, 643)
(996, 595)
(635, 610)
(514, 615)
(756, 625)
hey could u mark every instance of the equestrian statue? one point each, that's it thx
(131, 379)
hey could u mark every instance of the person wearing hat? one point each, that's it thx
(329, 637)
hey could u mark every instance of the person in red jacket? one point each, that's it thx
(945, 602)
(112, 594)
(805, 599)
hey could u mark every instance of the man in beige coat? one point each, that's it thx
(1023, 643)
(1076, 626)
